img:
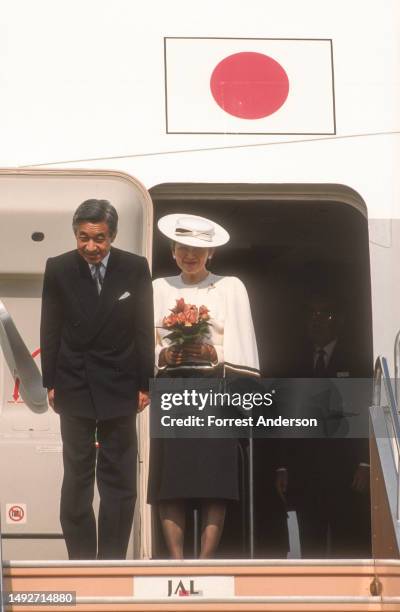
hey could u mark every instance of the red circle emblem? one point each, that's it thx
(249, 85)
(16, 514)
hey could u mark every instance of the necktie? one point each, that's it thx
(98, 277)
(320, 368)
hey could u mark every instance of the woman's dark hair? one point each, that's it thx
(96, 211)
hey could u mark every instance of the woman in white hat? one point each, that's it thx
(203, 471)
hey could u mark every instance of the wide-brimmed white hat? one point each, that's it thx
(193, 230)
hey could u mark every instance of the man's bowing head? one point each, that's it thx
(95, 225)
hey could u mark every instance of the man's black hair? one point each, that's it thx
(96, 211)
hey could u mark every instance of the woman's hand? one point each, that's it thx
(197, 351)
(171, 356)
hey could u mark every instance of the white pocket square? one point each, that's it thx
(124, 296)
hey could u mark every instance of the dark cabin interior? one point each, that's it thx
(284, 247)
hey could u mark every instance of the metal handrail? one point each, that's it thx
(182, 564)
(381, 372)
(238, 599)
(251, 497)
(21, 363)
(397, 365)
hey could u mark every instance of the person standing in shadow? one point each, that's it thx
(327, 479)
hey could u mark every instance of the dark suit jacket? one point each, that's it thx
(335, 458)
(97, 351)
(344, 360)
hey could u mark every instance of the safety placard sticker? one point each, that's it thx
(16, 514)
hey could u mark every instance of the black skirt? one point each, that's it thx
(193, 468)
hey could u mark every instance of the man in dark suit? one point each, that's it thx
(327, 478)
(97, 347)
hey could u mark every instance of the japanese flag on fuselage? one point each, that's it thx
(249, 86)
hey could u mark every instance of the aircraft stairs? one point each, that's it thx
(241, 585)
(284, 586)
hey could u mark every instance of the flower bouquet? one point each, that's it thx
(187, 323)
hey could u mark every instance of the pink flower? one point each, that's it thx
(180, 305)
(180, 317)
(191, 316)
(204, 313)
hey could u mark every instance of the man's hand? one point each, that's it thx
(143, 400)
(281, 483)
(361, 479)
(50, 397)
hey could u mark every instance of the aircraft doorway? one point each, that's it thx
(287, 242)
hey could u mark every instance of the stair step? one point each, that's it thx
(270, 585)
